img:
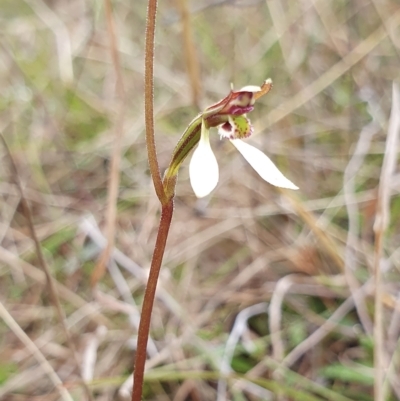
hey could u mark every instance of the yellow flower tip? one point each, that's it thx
(265, 88)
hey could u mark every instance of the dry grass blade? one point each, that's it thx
(189, 47)
(10, 259)
(380, 226)
(336, 71)
(113, 181)
(355, 163)
(233, 339)
(45, 268)
(43, 363)
(322, 235)
(62, 38)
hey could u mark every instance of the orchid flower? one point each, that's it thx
(203, 169)
(229, 115)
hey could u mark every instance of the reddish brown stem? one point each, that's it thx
(148, 100)
(148, 301)
(167, 203)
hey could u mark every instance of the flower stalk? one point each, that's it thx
(167, 207)
(148, 301)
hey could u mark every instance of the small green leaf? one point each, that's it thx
(361, 375)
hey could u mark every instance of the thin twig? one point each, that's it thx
(192, 63)
(319, 334)
(89, 354)
(43, 363)
(351, 170)
(279, 22)
(275, 313)
(391, 380)
(380, 225)
(113, 182)
(275, 316)
(323, 237)
(233, 339)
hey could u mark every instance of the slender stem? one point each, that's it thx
(166, 212)
(148, 301)
(148, 100)
(379, 358)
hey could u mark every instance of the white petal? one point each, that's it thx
(203, 168)
(250, 88)
(263, 165)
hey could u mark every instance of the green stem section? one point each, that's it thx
(186, 143)
(148, 301)
(148, 100)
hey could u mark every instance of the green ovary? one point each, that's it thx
(242, 127)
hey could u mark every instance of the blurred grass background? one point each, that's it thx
(259, 285)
